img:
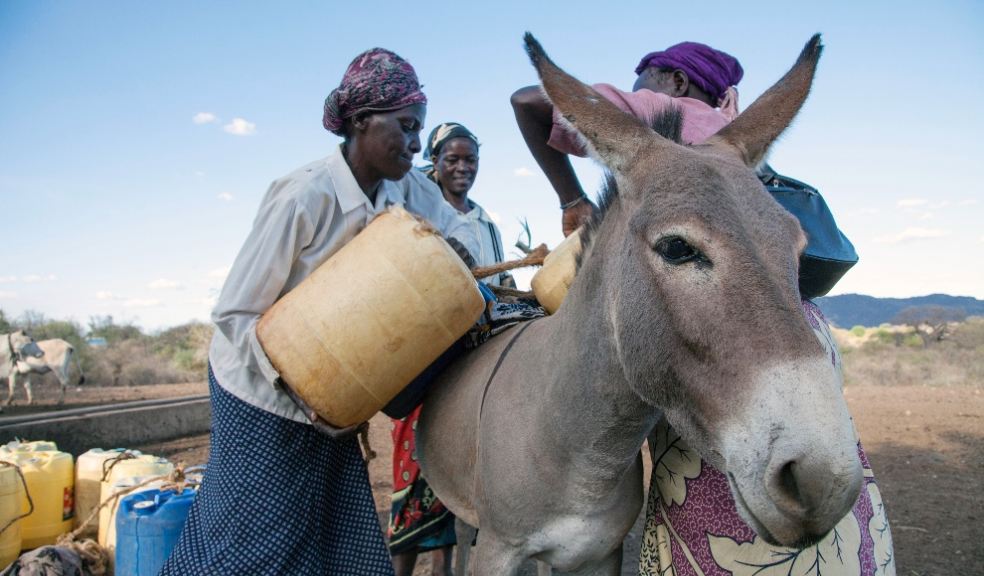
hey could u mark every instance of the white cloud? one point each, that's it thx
(225, 196)
(4, 295)
(926, 216)
(107, 295)
(220, 273)
(204, 118)
(522, 172)
(910, 234)
(240, 127)
(165, 284)
(968, 202)
(981, 239)
(31, 279)
(7, 279)
(142, 303)
(912, 202)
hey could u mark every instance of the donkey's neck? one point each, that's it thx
(590, 399)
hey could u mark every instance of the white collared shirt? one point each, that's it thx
(304, 218)
(490, 250)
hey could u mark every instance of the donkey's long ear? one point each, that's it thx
(755, 129)
(614, 136)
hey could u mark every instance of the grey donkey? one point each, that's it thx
(685, 306)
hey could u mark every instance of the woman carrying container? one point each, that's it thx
(284, 493)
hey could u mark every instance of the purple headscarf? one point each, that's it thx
(711, 70)
(377, 80)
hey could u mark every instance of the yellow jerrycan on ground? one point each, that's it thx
(50, 479)
(88, 485)
(143, 465)
(551, 282)
(371, 318)
(11, 493)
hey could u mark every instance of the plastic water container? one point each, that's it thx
(21, 446)
(551, 282)
(371, 318)
(50, 477)
(125, 474)
(147, 529)
(11, 493)
(88, 481)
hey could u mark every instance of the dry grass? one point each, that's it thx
(900, 355)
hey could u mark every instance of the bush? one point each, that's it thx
(858, 331)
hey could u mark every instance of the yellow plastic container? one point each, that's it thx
(11, 493)
(143, 466)
(20, 447)
(50, 477)
(88, 485)
(551, 282)
(371, 318)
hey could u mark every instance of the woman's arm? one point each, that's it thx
(534, 115)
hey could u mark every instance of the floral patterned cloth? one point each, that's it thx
(693, 526)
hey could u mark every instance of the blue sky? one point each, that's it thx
(116, 201)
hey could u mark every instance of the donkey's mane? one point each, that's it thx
(668, 123)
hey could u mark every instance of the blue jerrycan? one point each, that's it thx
(147, 528)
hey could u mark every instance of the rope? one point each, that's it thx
(511, 292)
(176, 481)
(94, 557)
(368, 452)
(534, 258)
(124, 455)
(30, 502)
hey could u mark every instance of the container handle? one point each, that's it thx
(30, 502)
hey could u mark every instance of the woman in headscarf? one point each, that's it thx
(692, 522)
(419, 521)
(285, 493)
(697, 79)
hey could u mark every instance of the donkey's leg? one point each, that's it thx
(465, 535)
(610, 566)
(11, 382)
(27, 387)
(496, 557)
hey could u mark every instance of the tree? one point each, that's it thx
(103, 326)
(5, 325)
(930, 322)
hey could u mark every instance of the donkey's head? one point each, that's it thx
(23, 345)
(694, 267)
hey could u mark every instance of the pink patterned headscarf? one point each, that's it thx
(377, 80)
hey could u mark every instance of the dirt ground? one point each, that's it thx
(926, 446)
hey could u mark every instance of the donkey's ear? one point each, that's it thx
(613, 136)
(755, 129)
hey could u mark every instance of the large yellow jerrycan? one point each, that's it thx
(551, 282)
(11, 492)
(89, 469)
(371, 318)
(143, 465)
(50, 478)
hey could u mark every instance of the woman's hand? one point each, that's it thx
(319, 423)
(576, 215)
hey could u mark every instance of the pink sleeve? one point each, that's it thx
(642, 104)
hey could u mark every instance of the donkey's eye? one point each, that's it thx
(675, 250)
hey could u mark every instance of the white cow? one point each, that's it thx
(57, 358)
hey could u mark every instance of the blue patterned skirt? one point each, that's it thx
(279, 498)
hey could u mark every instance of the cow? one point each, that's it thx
(57, 358)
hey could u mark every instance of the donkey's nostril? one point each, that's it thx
(787, 483)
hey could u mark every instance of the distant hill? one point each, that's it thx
(849, 310)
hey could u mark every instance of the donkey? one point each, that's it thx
(685, 306)
(14, 347)
(57, 359)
